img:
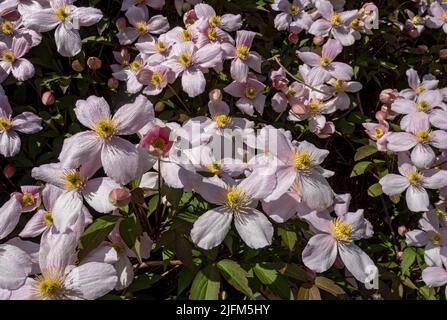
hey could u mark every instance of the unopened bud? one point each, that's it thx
(120, 197)
(421, 49)
(401, 230)
(113, 83)
(94, 63)
(215, 95)
(77, 66)
(388, 96)
(293, 37)
(318, 40)
(159, 106)
(9, 171)
(47, 98)
(399, 255)
(381, 115)
(121, 23)
(183, 117)
(443, 54)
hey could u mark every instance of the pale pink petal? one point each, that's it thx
(320, 252)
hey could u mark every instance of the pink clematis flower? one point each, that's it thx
(340, 89)
(157, 141)
(142, 27)
(336, 237)
(155, 79)
(102, 144)
(243, 58)
(324, 66)
(335, 23)
(29, 197)
(67, 19)
(25, 122)
(437, 17)
(250, 94)
(61, 278)
(414, 181)
(292, 16)
(209, 18)
(12, 61)
(157, 50)
(237, 202)
(191, 63)
(128, 72)
(379, 133)
(420, 139)
(432, 237)
(14, 29)
(289, 95)
(417, 86)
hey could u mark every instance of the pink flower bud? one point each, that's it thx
(189, 17)
(318, 40)
(159, 106)
(120, 197)
(9, 171)
(157, 141)
(443, 54)
(94, 63)
(183, 117)
(401, 230)
(215, 95)
(421, 49)
(327, 131)
(293, 37)
(113, 83)
(381, 115)
(388, 96)
(399, 255)
(77, 66)
(47, 98)
(121, 23)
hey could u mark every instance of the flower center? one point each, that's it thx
(5, 123)
(423, 106)
(50, 287)
(73, 179)
(355, 23)
(215, 21)
(414, 178)
(28, 200)
(440, 213)
(105, 128)
(293, 9)
(135, 65)
(212, 34)
(420, 89)
(445, 16)
(378, 132)
(291, 92)
(339, 85)
(48, 218)
(118, 248)
(302, 160)
(7, 28)
(62, 13)
(325, 61)
(336, 20)
(158, 143)
(436, 239)
(341, 230)
(422, 135)
(8, 56)
(161, 46)
(416, 20)
(242, 52)
(222, 120)
(214, 167)
(185, 59)
(236, 198)
(314, 105)
(186, 35)
(141, 27)
(156, 79)
(250, 93)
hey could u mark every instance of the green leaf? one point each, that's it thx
(206, 284)
(288, 237)
(360, 168)
(144, 281)
(375, 190)
(308, 293)
(275, 281)
(407, 259)
(329, 285)
(96, 233)
(235, 275)
(364, 152)
(130, 230)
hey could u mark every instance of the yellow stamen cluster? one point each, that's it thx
(161, 46)
(416, 20)
(185, 59)
(325, 61)
(440, 213)
(7, 28)
(62, 13)
(339, 85)
(336, 20)
(141, 27)
(222, 120)
(422, 135)
(341, 230)
(215, 21)
(291, 92)
(28, 199)
(436, 239)
(49, 286)
(423, 106)
(378, 132)
(5, 124)
(212, 34)
(186, 35)
(8, 56)
(215, 167)
(302, 160)
(414, 177)
(135, 65)
(355, 23)
(293, 9)
(73, 179)
(420, 89)
(236, 198)
(156, 78)
(242, 52)
(158, 143)
(250, 93)
(105, 128)
(48, 218)
(314, 105)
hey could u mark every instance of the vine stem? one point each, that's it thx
(150, 264)
(276, 59)
(180, 99)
